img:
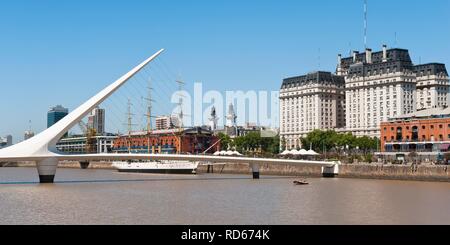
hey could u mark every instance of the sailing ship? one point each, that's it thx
(155, 166)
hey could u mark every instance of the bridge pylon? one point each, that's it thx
(47, 170)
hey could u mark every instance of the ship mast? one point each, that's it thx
(180, 114)
(149, 112)
(129, 124)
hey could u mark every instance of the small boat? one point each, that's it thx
(301, 182)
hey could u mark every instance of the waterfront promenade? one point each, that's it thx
(439, 173)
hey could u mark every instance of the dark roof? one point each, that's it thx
(321, 77)
(360, 69)
(431, 69)
(393, 55)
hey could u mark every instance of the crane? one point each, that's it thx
(90, 134)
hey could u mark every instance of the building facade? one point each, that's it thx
(425, 132)
(386, 84)
(167, 122)
(96, 121)
(78, 144)
(195, 140)
(309, 102)
(6, 141)
(55, 114)
(378, 86)
(433, 86)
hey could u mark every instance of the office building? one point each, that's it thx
(309, 102)
(167, 122)
(386, 84)
(6, 141)
(55, 114)
(96, 121)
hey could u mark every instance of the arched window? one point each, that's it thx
(399, 134)
(415, 133)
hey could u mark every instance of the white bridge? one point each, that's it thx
(42, 147)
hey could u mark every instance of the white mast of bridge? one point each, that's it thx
(42, 147)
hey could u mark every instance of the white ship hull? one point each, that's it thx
(162, 167)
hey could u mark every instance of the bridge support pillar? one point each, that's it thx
(330, 172)
(47, 170)
(255, 170)
(84, 165)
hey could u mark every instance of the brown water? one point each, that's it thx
(108, 197)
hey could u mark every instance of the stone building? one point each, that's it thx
(309, 102)
(386, 84)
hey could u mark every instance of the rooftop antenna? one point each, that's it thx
(395, 40)
(365, 24)
(350, 49)
(319, 60)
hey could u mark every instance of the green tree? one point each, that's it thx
(225, 142)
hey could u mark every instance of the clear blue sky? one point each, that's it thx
(63, 52)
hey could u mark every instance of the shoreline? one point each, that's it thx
(352, 171)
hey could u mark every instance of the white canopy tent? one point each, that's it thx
(227, 153)
(312, 153)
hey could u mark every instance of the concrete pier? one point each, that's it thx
(84, 165)
(47, 170)
(330, 172)
(255, 171)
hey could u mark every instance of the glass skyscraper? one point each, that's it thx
(55, 114)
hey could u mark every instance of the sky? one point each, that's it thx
(63, 52)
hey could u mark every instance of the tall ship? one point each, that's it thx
(168, 137)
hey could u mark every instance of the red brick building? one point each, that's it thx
(171, 141)
(424, 132)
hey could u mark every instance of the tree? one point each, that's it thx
(327, 140)
(225, 142)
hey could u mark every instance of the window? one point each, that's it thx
(415, 133)
(399, 134)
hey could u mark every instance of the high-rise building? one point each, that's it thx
(6, 141)
(433, 86)
(309, 102)
(167, 122)
(386, 84)
(97, 121)
(55, 114)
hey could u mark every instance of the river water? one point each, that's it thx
(109, 197)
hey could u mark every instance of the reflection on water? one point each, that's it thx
(108, 197)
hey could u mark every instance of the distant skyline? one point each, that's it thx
(63, 52)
